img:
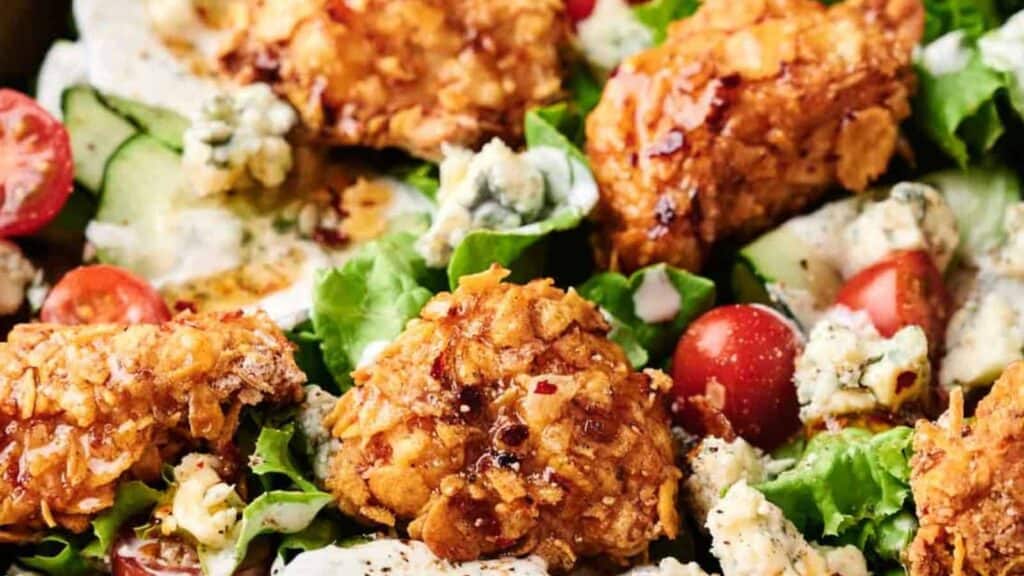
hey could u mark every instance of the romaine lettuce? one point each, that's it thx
(618, 297)
(657, 15)
(852, 487)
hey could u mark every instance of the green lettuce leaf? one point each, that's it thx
(657, 15)
(1002, 50)
(519, 249)
(423, 176)
(974, 17)
(616, 294)
(852, 486)
(367, 301)
(979, 196)
(131, 500)
(58, 555)
(584, 87)
(958, 110)
(273, 455)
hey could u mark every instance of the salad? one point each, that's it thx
(417, 287)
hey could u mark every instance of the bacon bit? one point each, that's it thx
(545, 387)
(185, 306)
(513, 435)
(905, 380)
(437, 369)
(330, 237)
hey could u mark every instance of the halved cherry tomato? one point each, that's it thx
(738, 360)
(579, 9)
(904, 289)
(134, 556)
(103, 294)
(35, 165)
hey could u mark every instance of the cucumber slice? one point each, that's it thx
(781, 270)
(96, 132)
(979, 198)
(165, 125)
(141, 186)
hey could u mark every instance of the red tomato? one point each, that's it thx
(904, 289)
(580, 9)
(134, 556)
(35, 165)
(738, 360)
(103, 294)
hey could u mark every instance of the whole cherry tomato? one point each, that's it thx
(579, 9)
(738, 361)
(103, 294)
(35, 165)
(904, 289)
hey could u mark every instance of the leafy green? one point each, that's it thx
(321, 533)
(58, 555)
(132, 499)
(272, 455)
(616, 295)
(309, 357)
(584, 87)
(657, 15)
(979, 197)
(852, 486)
(279, 512)
(367, 301)
(423, 176)
(557, 126)
(974, 17)
(1003, 51)
(958, 110)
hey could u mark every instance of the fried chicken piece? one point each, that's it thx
(967, 484)
(749, 112)
(411, 74)
(505, 421)
(82, 406)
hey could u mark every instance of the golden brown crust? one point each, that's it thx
(967, 484)
(411, 74)
(504, 421)
(82, 406)
(748, 112)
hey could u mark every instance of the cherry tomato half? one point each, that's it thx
(904, 289)
(35, 165)
(739, 360)
(134, 556)
(103, 294)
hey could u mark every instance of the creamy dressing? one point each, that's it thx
(945, 55)
(64, 66)
(656, 300)
(125, 56)
(388, 557)
(1003, 49)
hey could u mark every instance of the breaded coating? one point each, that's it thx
(83, 406)
(410, 74)
(749, 112)
(968, 483)
(503, 421)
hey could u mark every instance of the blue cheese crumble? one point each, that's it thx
(611, 34)
(847, 367)
(499, 189)
(238, 141)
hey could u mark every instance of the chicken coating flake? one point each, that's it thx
(411, 74)
(749, 111)
(82, 406)
(504, 421)
(967, 483)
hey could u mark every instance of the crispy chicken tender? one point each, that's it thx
(505, 421)
(967, 483)
(82, 406)
(749, 111)
(411, 74)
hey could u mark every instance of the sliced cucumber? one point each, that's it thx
(141, 185)
(780, 269)
(979, 198)
(165, 125)
(96, 132)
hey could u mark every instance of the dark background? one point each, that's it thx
(27, 28)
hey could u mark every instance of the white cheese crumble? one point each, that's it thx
(847, 367)
(16, 274)
(715, 466)
(203, 505)
(611, 34)
(945, 55)
(320, 445)
(498, 189)
(238, 141)
(402, 558)
(668, 567)
(752, 537)
(656, 300)
(913, 217)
